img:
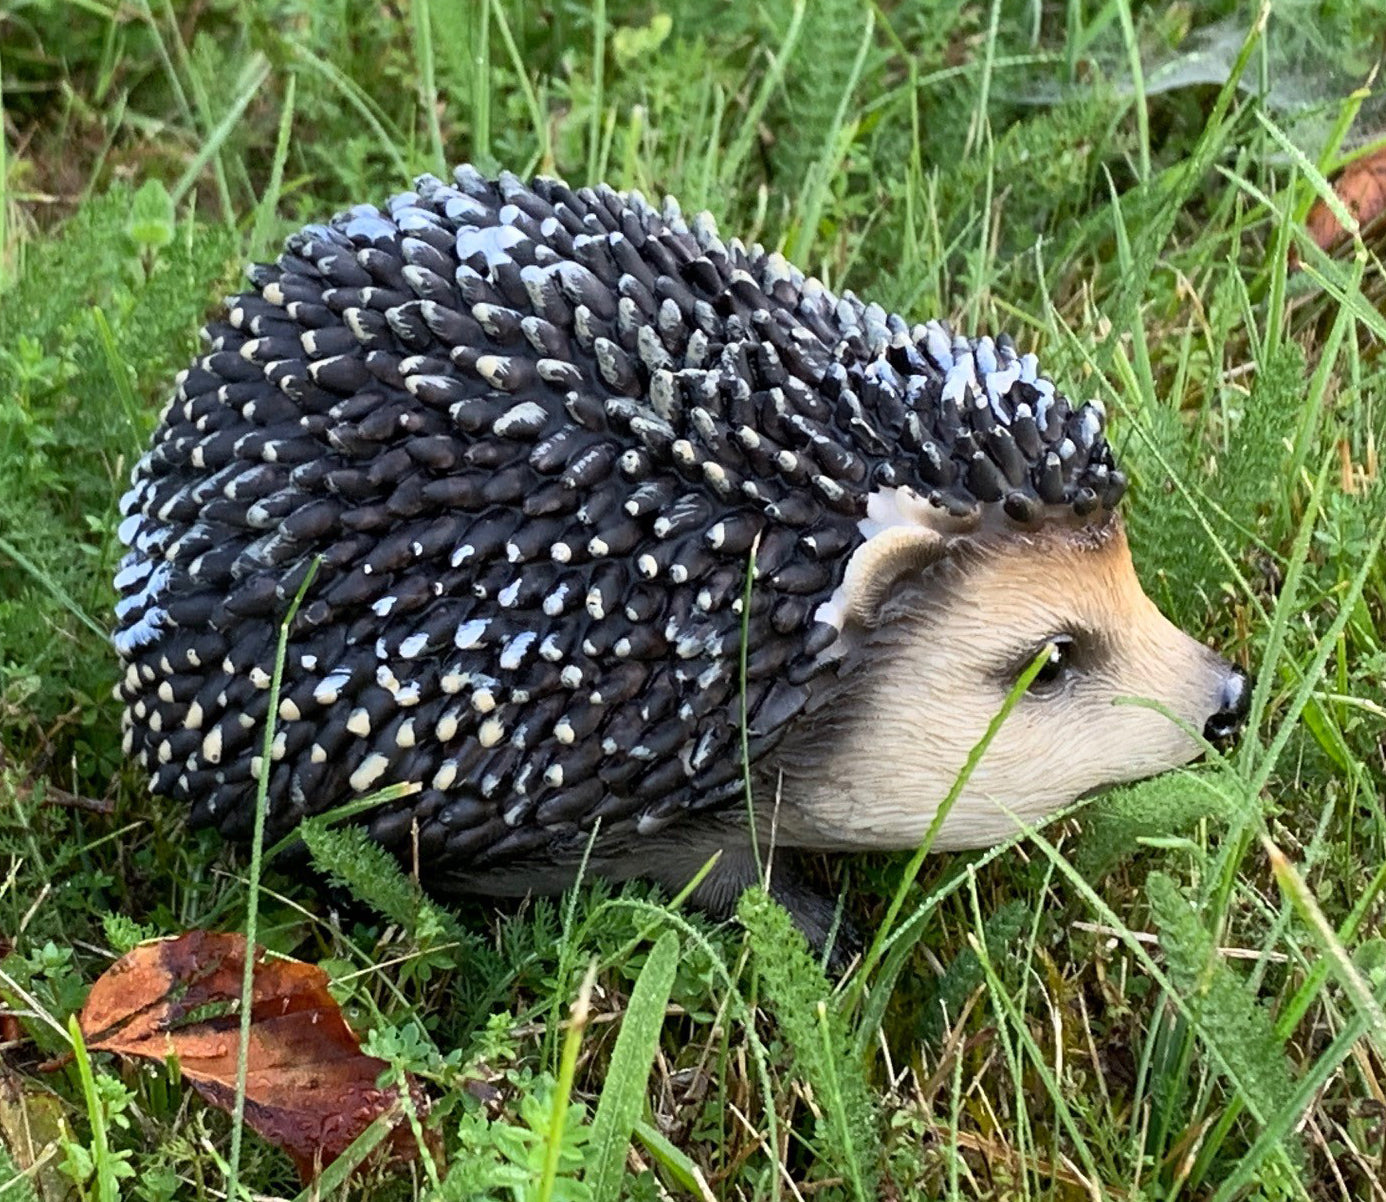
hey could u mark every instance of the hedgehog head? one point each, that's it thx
(939, 620)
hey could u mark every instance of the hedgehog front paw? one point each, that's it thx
(813, 912)
(834, 938)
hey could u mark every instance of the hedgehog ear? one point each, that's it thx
(881, 562)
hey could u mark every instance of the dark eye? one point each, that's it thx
(1056, 667)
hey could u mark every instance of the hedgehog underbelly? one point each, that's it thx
(531, 438)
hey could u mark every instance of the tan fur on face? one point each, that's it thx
(920, 689)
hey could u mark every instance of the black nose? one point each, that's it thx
(1236, 699)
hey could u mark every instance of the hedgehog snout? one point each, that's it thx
(1227, 721)
(1206, 693)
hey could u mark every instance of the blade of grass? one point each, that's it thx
(120, 376)
(269, 202)
(252, 79)
(811, 197)
(52, 587)
(1145, 377)
(1200, 504)
(1272, 1135)
(422, 12)
(1326, 274)
(345, 812)
(180, 96)
(955, 1106)
(594, 130)
(742, 1012)
(107, 1183)
(563, 1090)
(623, 1091)
(1299, 1003)
(1310, 171)
(1002, 61)
(531, 98)
(1300, 896)
(481, 83)
(836, 1107)
(1223, 874)
(645, 934)
(1327, 642)
(1133, 62)
(608, 137)
(1328, 359)
(204, 121)
(386, 135)
(1178, 185)
(252, 902)
(1290, 1016)
(1123, 933)
(1280, 274)
(677, 1163)
(35, 1007)
(979, 128)
(336, 1175)
(899, 946)
(114, 122)
(745, 718)
(907, 878)
(1285, 610)
(770, 82)
(1001, 996)
(4, 186)
(568, 946)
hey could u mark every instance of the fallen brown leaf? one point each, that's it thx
(309, 1087)
(1362, 188)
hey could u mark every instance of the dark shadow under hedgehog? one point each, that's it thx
(533, 435)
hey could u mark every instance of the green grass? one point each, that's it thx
(1175, 995)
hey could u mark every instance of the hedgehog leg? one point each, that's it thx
(814, 913)
(673, 865)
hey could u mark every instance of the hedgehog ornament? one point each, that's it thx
(533, 438)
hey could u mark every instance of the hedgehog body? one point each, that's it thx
(534, 438)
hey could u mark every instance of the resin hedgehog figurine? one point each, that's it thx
(533, 436)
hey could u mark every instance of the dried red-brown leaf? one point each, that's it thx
(309, 1087)
(1362, 189)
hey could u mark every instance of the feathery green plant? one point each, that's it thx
(815, 83)
(1224, 1012)
(1161, 807)
(815, 1032)
(105, 294)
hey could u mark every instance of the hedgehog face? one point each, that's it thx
(950, 641)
